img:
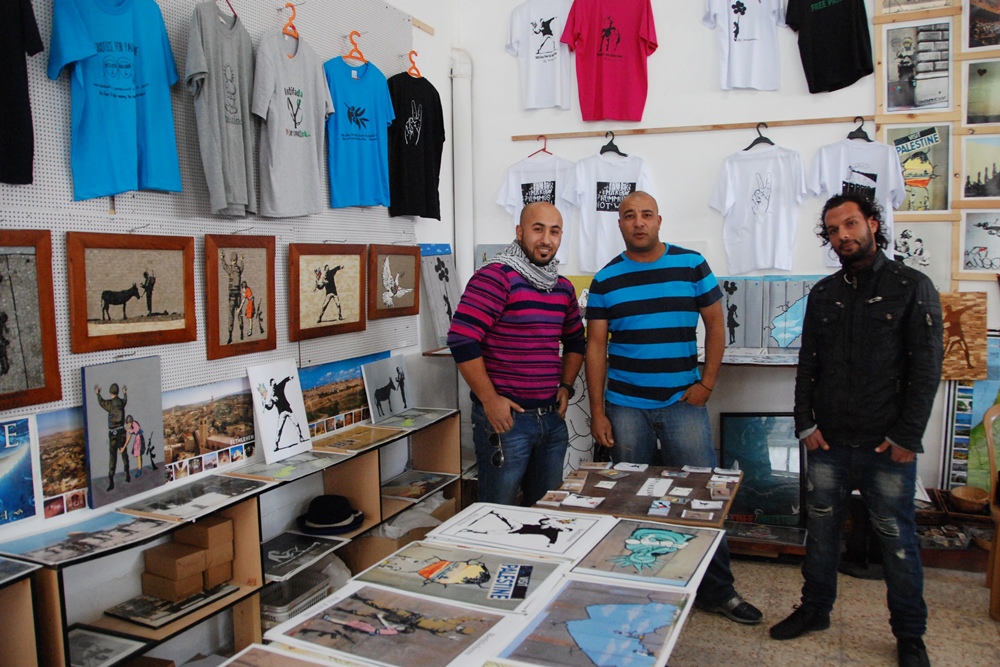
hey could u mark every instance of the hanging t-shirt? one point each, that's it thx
(290, 95)
(121, 70)
(867, 168)
(533, 36)
(18, 36)
(834, 43)
(416, 139)
(599, 184)
(219, 74)
(748, 41)
(759, 192)
(358, 135)
(544, 177)
(612, 40)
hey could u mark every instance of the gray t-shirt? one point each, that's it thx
(219, 74)
(290, 94)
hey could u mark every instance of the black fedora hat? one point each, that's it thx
(330, 515)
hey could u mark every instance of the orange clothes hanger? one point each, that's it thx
(289, 28)
(413, 71)
(544, 148)
(355, 53)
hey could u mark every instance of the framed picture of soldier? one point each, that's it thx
(239, 294)
(393, 281)
(326, 285)
(129, 290)
(29, 358)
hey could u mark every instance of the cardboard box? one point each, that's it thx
(218, 555)
(206, 533)
(174, 590)
(218, 574)
(175, 561)
(144, 661)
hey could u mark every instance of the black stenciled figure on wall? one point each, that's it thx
(115, 407)
(280, 403)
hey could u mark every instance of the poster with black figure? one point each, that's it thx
(437, 269)
(282, 427)
(416, 141)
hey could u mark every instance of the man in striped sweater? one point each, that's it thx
(650, 299)
(505, 337)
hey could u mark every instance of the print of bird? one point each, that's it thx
(356, 116)
(391, 285)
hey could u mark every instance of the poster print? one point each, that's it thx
(90, 647)
(385, 385)
(332, 391)
(924, 153)
(239, 294)
(589, 623)
(926, 247)
(982, 90)
(257, 655)
(289, 553)
(966, 458)
(441, 291)
(12, 570)
(386, 627)
(982, 21)
(980, 245)
(980, 159)
(62, 446)
(197, 498)
(908, 86)
(17, 488)
(964, 317)
(128, 290)
(123, 414)
(500, 581)
(326, 288)
(281, 414)
(393, 281)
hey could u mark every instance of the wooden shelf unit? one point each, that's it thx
(17, 641)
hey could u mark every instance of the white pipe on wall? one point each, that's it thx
(461, 105)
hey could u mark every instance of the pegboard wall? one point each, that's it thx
(386, 39)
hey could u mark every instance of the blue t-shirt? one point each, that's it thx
(358, 134)
(652, 310)
(121, 69)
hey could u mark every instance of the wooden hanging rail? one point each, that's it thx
(692, 128)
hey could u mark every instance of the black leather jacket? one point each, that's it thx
(870, 362)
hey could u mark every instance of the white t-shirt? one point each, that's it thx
(541, 178)
(598, 187)
(867, 168)
(748, 41)
(533, 36)
(759, 192)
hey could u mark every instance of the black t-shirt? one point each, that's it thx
(416, 140)
(834, 42)
(18, 35)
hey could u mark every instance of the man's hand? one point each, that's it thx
(815, 440)
(600, 428)
(498, 413)
(696, 394)
(899, 455)
(562, 401)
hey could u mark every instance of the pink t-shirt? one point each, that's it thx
(612, 40)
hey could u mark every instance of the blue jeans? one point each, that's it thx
(887, 490)
(685, 437)
(534, 452)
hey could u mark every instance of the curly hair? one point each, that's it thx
(868, 207)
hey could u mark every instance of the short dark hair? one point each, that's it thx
(868, 207)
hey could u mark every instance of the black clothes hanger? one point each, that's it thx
(610, 147)
(859, 133)
(761, 139)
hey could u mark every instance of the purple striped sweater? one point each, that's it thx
(517, 329)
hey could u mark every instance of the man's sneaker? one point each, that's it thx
(912, 652)
(735, 609)
(804, 619)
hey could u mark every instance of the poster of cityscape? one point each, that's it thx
(63, 456)
(334, 394)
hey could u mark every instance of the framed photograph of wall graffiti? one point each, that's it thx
(908, 88)
(981, 170)
(982, 92)
(924, 153)
(29, 357)
(129, 290)
(239, 294)
(326, 286)
(980, 25)
(393, 281)
(771, 458)
(926, 247)
(979, 245)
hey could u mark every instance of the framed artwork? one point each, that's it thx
(965, 457)
(964, 316)
(980, 161)
(385, 386)
(442, 292)
(981, 20)
(289, 553)
(979, 237)
(123, 414)
(770, 456)
(899, 6)
(910, 88)
(17, 489)
(326, 285)
(62, 452)
(108, 271)
(280, 412)
(926, 247)
(924, 153)
(29, 358)
(239, 294)
(97, 647)
(982, 92)
(217, 417)
(393, 281)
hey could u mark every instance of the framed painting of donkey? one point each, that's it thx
(129, 290)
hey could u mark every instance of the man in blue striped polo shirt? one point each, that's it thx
(649, 299)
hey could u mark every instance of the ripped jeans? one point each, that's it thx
(887, 489)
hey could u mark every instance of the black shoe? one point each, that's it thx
(804, 619)
(912, 652)
(735, 609)
(111, 485)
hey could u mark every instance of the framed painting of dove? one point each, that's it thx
(327, 288)
(393, 281)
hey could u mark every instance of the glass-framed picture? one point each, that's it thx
(899, 6)
(980, 162)
(97, 647)
(982, 92)
(926, 247)
(980, 249)
(924, 152)
(908, 48)
(980, 25)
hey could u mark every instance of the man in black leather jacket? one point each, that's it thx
(869, 368)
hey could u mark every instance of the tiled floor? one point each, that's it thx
(959, 630)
